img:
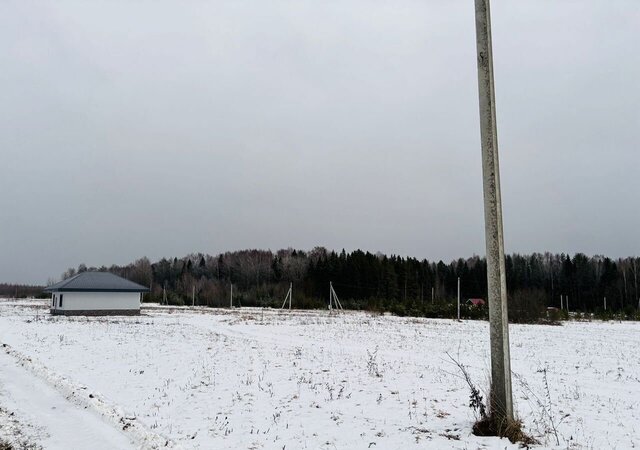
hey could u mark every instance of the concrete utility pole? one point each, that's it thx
(289, 296)
(458, 298)
(501, 397)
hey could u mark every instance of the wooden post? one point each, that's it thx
(501, 401)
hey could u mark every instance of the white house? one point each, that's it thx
(96, 294)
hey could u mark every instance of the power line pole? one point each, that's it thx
(288, 296)
(333, 298)
(458, 298)
(193, 295)
(231, 302)
(501, 393)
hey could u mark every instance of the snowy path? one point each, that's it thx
(53, 422)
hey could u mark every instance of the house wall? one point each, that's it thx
(97, 301)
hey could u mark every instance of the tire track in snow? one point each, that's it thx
(81, 395)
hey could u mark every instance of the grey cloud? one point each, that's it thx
(161, 128)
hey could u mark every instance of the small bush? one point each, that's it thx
(488, 423)
(527, 305)
(398, 309)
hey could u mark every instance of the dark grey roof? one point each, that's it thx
(96, 282)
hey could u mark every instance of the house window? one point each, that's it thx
(60, 300)
(53, 301)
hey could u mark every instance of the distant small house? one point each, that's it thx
(478, 302)
(553, 312)
(95, 294)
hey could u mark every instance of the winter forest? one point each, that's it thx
(404, 286)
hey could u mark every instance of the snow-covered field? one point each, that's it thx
(252, 378)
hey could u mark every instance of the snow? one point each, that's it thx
(39, 403)
(253, 378)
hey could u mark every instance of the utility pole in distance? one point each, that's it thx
(458, 298)
(501, 401)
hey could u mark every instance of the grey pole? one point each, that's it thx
(458, 298)
(501, 398)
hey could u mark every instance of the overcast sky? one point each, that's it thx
(164, 128)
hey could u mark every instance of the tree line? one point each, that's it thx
(402, 285)
(8, 290)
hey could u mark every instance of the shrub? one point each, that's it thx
(398, 309)
(527, 305)
(487, 423)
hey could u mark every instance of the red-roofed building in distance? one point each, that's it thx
(477, 302)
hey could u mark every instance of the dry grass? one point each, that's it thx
(488, 423)
(511, 429)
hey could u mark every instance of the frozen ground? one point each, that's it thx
(278, 380)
